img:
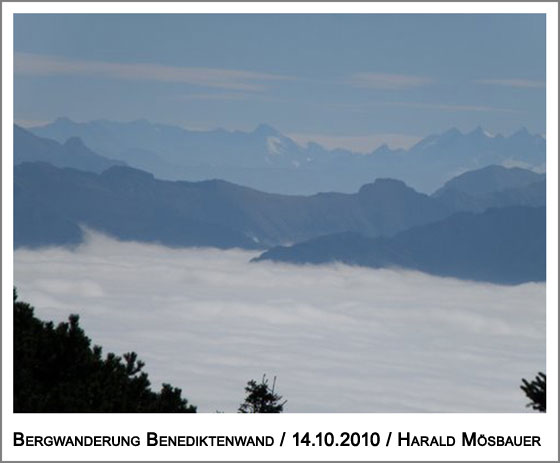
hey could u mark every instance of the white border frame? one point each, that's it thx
(544, 425)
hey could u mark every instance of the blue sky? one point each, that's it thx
(339, 79)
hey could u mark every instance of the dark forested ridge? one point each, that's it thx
(490, 180)
(506, 245)
(56, 370)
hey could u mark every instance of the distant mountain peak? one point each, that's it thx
(384, 186)
(522, 132)
(72, 153)
(274, 146)
(265, 130)
(489, 179)
(383, 149)
(75, 143)
(427, 141)
(314, 145)
(63, 120)
(480, 133)
(452, 132)
(478, 130)
(393, 182)
(127, 173)
(142, 123)
(264, 158)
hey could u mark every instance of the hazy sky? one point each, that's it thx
(310, 76)
(339, 338)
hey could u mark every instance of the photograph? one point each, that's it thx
(280, 213)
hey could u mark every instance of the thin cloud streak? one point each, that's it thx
(360, 107)
(339, 338)
(382, 81)
(43, 65)
(212, 97)
(451, 107)
(515, 83)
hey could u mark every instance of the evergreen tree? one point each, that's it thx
(56, 370)
(261, 398)
(536, 392)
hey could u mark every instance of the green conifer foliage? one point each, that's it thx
(56, 370)
(261, 398)
(536, 392)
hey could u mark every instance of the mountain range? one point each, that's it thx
(267, 160)
(131, 204)
(384, 224)
(505, 245)
(493, 186)
(486, 224)
(72, 153)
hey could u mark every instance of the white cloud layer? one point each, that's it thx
(44, 65)
(339, 338)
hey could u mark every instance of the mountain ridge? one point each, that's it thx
(267, 160)
(72, 152)
(501, 245)
(123, 197)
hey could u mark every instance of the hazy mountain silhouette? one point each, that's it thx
(491, 179)
(119, 202)
(506, 245)
(493, 186)
(72, 153)
(131, 204)
(385, 224)
(37, 224)
(270, 161)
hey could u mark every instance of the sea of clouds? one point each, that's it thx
(338, 338)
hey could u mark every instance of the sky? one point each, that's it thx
(338, 338)
(346, 80)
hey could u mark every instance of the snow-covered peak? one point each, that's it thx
(479, 132)
(274, 146)
(522, 132)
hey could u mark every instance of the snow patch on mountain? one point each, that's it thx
(274, 146)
